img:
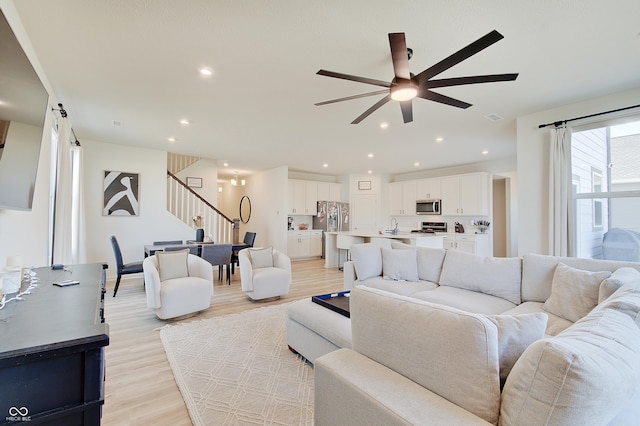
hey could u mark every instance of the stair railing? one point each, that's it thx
(188, 206)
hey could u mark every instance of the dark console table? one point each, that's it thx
(52, 350)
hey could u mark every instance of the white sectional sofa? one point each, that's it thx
(444, 337)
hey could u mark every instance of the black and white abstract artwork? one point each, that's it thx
(120, 194)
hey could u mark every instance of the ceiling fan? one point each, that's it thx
(405, 85)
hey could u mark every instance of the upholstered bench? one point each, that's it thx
(313, 330)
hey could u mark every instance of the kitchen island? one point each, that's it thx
(337, 244)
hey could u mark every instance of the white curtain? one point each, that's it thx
(560, 194)
(69, 229)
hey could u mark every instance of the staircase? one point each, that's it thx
(197, 212)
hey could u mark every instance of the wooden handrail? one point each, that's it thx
(198, 196)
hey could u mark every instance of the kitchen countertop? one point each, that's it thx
(403, 235)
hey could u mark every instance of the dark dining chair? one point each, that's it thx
(249, 240)
(123, 268)
(219, 255)
(193, 248)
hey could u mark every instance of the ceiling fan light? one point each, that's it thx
(404, 92)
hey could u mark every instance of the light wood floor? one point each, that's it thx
(140, 388)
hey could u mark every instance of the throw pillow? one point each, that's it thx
(400, 265)
(574, 292)
(261, 257)
(429, 261)
(616, 280)
(367, 260)
(497, 276)
(515, 334)
(172, 264)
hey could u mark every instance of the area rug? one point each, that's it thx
(237, 369)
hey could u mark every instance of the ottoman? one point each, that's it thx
(313, 330)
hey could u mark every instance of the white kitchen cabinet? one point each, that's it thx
(465, 195)
(304, 244)
(329, 191)
(311, 198)
(429, 189)
(477, 244)
(402, 198)
(302, 197)
(298, 245)
(315, 243)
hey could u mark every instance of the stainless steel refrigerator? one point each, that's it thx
(332, 216)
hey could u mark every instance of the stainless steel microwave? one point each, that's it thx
(428, 207)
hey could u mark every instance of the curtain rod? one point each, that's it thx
(559, 123)
(63, 114)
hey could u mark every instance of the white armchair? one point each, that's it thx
(264, 273)
(177, 283)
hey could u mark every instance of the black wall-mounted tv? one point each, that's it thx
(23, 108)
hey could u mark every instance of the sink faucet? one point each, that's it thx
(394, 225)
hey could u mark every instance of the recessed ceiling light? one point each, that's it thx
(325, 165)
(493, 117)
(172, 140)
(370, 171)
(384, 125)
(206, 71)
(185, 122)
(439, 139)
(416, 164)
(485, 152)
(225, 164)
(370, 155)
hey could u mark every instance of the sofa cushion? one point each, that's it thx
(586, 375)
(408, 288)
(172, 264)
(515, 334)
(574, 292)
(426, 351)
(538, 270)
(399, 265)
(466, 300)
(626, 300)
(429, 261)
(261, 257)
(499, 277)
(620, 277)
(367, 260)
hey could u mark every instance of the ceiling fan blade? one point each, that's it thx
(348, 98)
(459, 81)
(399, 55)
(462, 54)
(437, 97)
(354, 78)
(407, 111)
(372, 109)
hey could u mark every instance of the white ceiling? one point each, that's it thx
(135, 62)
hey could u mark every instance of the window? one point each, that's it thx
(606, 181)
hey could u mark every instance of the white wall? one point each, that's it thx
(154, 221)
(268, 191)
(533, 167)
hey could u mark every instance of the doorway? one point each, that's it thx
(500, 219)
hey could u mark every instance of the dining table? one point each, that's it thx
(151, 249)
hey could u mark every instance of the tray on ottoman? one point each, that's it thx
(337, 302)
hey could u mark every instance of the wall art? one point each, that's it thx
(121, 192)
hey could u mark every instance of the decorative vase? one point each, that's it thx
(199, 235)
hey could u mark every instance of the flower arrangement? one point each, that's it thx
(197, 221)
